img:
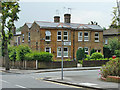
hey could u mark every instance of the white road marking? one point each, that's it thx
(20, 86)
(88, 84)
(4, 81)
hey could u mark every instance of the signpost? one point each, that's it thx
(66, 44)
(62, 62)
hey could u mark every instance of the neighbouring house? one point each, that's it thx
(50, 36)
(16, 39)
(110, 34)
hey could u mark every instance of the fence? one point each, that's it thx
(94, 63)
(40, 65)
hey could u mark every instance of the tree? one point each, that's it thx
(92, 51)
(110, 49)
(10, 12)
(80, 54)
(18, 29)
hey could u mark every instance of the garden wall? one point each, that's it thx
(94, 63)
(41, 65)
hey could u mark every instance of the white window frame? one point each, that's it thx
(49, 49)
(59, 52)
(97, 36)
(28, 36)
(65, 52)
(79, 47)
(17, 39)
(59, 36)
(23, 38)
(86, 51)
(48, 36)
(65, 36)
(106, 41)
(80, 36)
(86, 36)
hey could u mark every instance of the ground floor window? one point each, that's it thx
(86, 50)
(65, 52)
(48, 49)
(98, 50)
(59, 52)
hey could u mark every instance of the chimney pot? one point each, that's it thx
(56, 19)
(67, 18)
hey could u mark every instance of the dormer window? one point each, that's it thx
(47, 36)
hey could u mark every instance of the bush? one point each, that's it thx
(92, 51)
(12, 53)
(40, 56)
(117, 53)
(107, 52)
(22, 50)
(80, 54)
(96, 55)
(111, 68)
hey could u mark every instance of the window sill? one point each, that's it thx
(80, 40)
(59, 40)
(86, 40)
(47, 40)
(96, 41)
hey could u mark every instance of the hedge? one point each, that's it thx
(40, 56)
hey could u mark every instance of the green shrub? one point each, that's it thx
(80, 54)
(107, 52)
(96, 55)
(22, 50)
(111, 68)
(12, 53)
(117, 53)
(92, 51)
(88, 57)
(40, 56)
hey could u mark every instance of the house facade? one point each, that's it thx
(52, 36)
(111, 34)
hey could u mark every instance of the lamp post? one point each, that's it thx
(62, 62)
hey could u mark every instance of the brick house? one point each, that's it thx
(110, 34)
(49, 37)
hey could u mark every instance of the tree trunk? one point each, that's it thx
(7, 67)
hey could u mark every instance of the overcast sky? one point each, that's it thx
(83, 11)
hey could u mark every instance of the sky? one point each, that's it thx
(82, 11)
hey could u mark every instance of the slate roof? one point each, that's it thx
(29, 25)
(76, 26)
(111, 31)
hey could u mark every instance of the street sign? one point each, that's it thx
(67, 43)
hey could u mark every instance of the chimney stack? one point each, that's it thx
(67, 18)
(56, 19)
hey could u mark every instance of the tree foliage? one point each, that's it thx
(10, 12)
(80, 54)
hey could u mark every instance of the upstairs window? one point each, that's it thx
(28, 36)
(86, 36)
(59, 36)
(106, 41)
(47, 36)
(48, 49)
(96, 37)
(79, 36)
(65, 36)
(23, 38)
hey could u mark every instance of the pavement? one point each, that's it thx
(88, 81)
(19, 71)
